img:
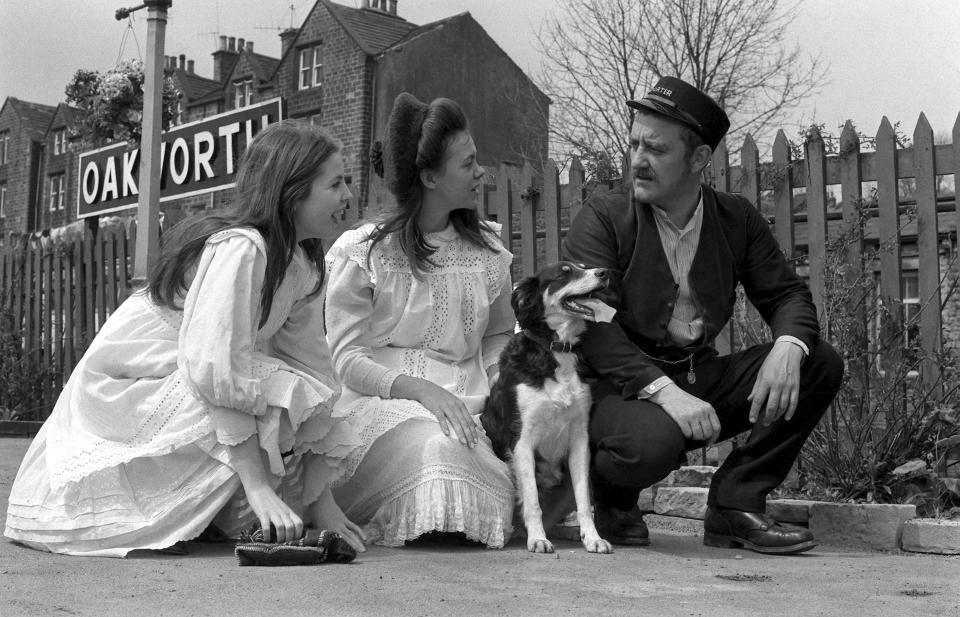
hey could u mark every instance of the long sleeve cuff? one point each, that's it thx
(386, 383)
(792, 339)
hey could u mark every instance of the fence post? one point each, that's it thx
(816, 215)
(851, 178)
(550, 198)
(528, 220)
(783, 195)
(503, 199)
(725, 340)
(750, 178)
(928, 244)
(576, 176)
(890, 343)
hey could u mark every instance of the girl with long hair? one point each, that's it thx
(418, 309)
(206, 398)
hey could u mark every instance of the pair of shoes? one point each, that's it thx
(315, 547)
(754, 531)
(625, 527)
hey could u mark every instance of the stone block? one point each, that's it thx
(646, 500)
(694, 475)
(688, 502)
(862, 525)
(931, 535)
(794, 511)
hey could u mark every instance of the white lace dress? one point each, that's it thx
(408, 478)
(134, 454)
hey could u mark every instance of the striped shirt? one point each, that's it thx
(680, 247)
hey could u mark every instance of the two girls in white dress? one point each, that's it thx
(218, 377)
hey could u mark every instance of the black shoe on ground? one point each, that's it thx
(621, 527)
(614, 526)
(754, 531)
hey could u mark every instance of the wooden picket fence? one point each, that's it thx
(57, 294)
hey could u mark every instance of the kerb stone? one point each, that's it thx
(796, 511)
(873, 526)
(694, 475)
(930, 535)
(688, 502)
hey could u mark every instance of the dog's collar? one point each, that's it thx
(559, 346)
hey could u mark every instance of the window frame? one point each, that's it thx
(3, 200)
(310, 73)
(4, 147)
(57, 191)
(243, 93)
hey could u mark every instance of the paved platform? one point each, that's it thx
(675, 575)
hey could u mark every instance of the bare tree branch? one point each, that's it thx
(600, 53)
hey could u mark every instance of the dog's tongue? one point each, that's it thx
(602, 313)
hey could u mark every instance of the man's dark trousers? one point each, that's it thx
(635, 443)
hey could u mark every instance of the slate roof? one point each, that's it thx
(194, 86)
(373, 30)
(263, 66)
(35, 117)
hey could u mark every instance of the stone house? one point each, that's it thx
(23, 133)
(341, 68)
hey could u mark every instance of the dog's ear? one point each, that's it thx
(526, 298)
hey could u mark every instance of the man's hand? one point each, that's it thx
(777, 388)
(695, 417)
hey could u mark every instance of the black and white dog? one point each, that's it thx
(538, 411)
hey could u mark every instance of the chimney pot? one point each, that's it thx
(223, 42)
(250, 46)
(240, 45)
(232, 43)
(366, 4)
(190, 66)
(183, 61)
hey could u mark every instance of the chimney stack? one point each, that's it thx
(286, 40)
(225, 58)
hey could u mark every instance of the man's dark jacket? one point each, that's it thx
(736, 246)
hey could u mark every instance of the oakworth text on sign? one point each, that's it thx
(194, 158)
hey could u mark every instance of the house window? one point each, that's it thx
(57, 190)
(60, 142)
(3, 200)
(910, 295)
(311, 67)
(244, 93)
(4, 147)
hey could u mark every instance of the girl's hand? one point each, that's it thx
(447, 407)
(272, 511)
(324, 513)
(248, 462)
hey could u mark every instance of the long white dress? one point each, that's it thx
(408, 478)
(134, 454)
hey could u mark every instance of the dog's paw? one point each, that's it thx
(597, 545)
(539, 545)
